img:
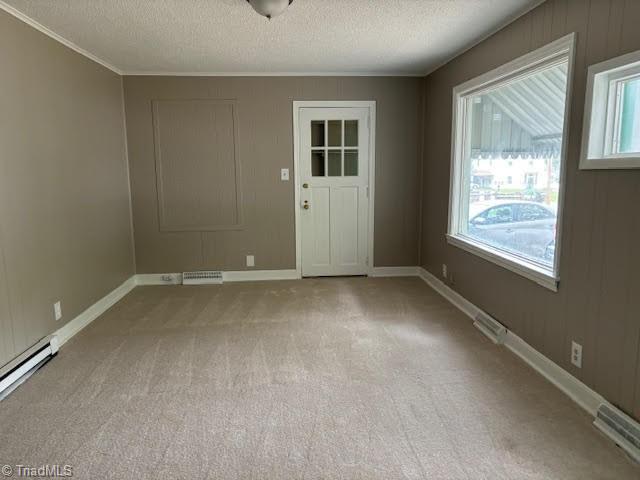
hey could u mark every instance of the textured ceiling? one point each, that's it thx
(311, 37)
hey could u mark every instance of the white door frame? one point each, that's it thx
(371, 105)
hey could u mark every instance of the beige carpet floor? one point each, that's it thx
(314, 379)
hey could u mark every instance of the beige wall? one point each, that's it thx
(64, 206)
(265, 145)
(599, 297)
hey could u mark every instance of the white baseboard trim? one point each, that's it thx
(567, 383)
(464, 305)
(144, 279)
(577, 391)
(94, 311)
(394, 272)
(240, 276)
(260, 275)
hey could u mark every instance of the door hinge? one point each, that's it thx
(367, 190)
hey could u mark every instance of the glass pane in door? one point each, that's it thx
(317, 133)
(317, 163)
(351, 133)
(335, 133)
(351, 163)
(335, 163)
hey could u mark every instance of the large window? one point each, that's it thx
(611, 134)
(508, 156)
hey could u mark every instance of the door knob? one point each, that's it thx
(305, 185)
(306, 205)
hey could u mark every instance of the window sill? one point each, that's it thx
(513, 263)
(611, 162)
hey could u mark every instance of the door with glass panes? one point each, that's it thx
(334, 180)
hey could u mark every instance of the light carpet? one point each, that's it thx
(343, 378)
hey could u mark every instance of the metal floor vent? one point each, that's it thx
(620, 428)
(490, 327)
(202, 278)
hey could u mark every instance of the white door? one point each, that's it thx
(334, 180)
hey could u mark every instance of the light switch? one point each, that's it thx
(284, 174)
(251, 261)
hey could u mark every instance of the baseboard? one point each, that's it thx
(260, 275)
(240, 276)
(567, 383)
(94, 311)
(580, 393)
(454, 297)
(394, 272)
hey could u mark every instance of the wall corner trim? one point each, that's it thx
(94, 311)
(58, 38)
(580, 393)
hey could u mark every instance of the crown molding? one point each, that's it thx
(268, 74)
(41, 28)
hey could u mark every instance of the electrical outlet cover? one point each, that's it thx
(57, 310)
(576, 354)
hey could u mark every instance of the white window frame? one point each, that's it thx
(561, 49)
(600, 132)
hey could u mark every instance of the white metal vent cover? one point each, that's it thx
(621, 428)
(202, 278)
(491, 328)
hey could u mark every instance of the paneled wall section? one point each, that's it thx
(599, 297)
(265, 146)
(65, 230)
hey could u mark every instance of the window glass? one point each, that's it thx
(351, 163)
(317, 163)
(335, 133)
(511, 164)
(351, 133)
(532, 213)
(335, 163)
(502, 214)
(317, 133)
(630, 116)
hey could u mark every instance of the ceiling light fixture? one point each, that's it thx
(270, 8)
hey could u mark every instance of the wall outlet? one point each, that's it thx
(57, 310)
(251, 261)
(445, 271)
(576, 354)
(284, 174)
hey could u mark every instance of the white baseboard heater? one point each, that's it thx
(21, 368)
(621, 428)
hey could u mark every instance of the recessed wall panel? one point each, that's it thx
(197, 170)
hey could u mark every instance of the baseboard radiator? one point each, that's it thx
(202, 278)
(621, 428)
(490, 327)
(20, 369)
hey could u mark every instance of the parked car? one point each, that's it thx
(526, 228)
